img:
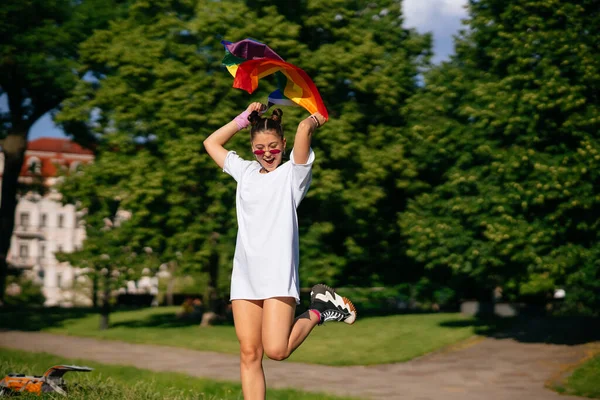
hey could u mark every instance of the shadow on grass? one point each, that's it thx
(536, 329)
(35, 319)
(159, 321)
(38, 318)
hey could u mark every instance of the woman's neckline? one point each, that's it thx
(261, 169)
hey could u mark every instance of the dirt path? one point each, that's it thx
(491, 369)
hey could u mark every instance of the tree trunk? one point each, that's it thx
(95, 291)
(14, 147)
(211, 297)
(105, 311)
(213, 276)
(171, 283)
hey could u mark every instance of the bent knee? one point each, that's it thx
(277, 354)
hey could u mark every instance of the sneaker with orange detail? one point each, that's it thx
(331, 305)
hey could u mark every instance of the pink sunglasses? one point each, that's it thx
(261, 152)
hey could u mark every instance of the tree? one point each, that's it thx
(38, 64)
(162, 89)
(105, 258)
(108, 265)
(506, 140)
(366, 65)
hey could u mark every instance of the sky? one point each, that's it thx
(440, 17)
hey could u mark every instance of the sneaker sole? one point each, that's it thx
(353, 313)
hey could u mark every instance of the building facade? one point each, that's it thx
(43, 225)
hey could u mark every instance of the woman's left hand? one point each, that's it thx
(319, 119)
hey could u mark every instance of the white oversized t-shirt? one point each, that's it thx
(267, 254)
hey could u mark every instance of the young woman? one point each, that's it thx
(264, 281)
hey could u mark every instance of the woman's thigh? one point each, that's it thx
(278, 318)
(248, 318)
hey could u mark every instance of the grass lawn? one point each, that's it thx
(585, 380)
(128, 383)
(373, 340)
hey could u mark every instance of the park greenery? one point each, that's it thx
(162, 89)
(456, 179)
(129, 383)
(39, 68)
(506, 142)
(409, 336)
(584, 380)
(22, 291)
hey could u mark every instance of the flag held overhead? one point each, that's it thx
(248, 61)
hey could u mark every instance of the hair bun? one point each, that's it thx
(277, 114)
(254, 118)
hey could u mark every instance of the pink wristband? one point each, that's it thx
(242, 120)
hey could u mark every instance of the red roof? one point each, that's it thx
(62, 153)
(57, 145)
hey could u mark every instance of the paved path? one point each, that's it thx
(491, 369)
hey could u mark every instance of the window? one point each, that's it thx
(58, 280)
(43, 220)
(43, 251)
(61, 220)
(23, 251)
(34, 165)
(24, 219)
(59, 249)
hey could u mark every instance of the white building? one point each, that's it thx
(43, 225)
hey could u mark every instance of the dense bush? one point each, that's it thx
(23, 291)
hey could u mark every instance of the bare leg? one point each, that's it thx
(281, 335)
(248, 317)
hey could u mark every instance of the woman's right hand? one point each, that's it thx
(256, 106)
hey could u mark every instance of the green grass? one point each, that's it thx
(128, 383)
(585, 380)
(374, 340)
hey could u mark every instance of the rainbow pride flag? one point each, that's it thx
(248, 61)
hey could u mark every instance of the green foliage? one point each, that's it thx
(410, 335)
(39, 67)
(484, 177)
(152, 107)
(506, 143)
(26, 292)
(162, 90)
(38, 53)
(365, 65)
(105, 258)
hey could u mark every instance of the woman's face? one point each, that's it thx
(268, 149)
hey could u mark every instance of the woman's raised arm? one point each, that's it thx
(304, 135)
(214, 144)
